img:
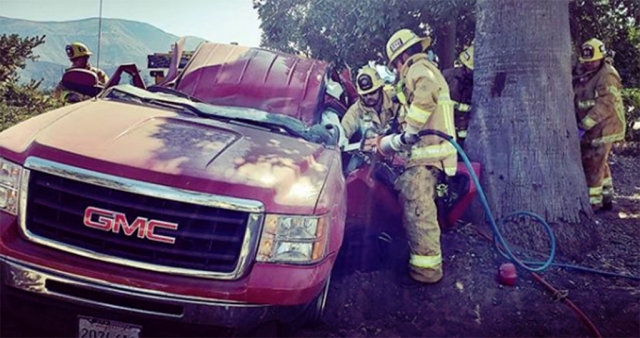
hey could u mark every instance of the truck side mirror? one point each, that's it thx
(82, 81)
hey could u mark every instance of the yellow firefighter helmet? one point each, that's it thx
(466, 57)
(403, 40)
(592, 50)
(76, 50)
(368, 80)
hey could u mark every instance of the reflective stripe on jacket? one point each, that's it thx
(429, 107)
(599, 106)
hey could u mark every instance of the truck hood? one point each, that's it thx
(165, 147)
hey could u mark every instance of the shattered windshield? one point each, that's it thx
(255, 117)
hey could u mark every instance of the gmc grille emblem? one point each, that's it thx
(116, 222)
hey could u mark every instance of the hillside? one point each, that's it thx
(122, 41)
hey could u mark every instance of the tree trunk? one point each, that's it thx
(446, 46)
(523, 127)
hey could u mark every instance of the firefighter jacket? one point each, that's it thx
(460, 81)
(359, 117)
(103, 78)
(429, 107)
(599, 106)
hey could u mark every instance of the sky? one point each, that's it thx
(214, 20)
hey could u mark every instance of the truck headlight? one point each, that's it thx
(292, 239)
(10, 175)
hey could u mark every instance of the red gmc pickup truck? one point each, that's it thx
(216, 201)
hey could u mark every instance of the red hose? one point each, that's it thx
(568, 301)
(555, 291)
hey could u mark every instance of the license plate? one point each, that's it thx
(89, 327)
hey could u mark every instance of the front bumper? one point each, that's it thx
(27, 290)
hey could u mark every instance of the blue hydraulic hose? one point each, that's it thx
(534, 266)
(499, 240)
(586, 269)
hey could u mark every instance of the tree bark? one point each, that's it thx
(523, 128)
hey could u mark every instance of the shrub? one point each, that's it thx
(19, 102)
(631, 97)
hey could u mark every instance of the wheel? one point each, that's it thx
(311, 316)
(315, 311)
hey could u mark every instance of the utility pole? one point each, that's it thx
(99, 34)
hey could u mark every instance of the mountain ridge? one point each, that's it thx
(122, 41)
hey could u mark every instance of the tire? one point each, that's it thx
(315, 311)
(310, 317)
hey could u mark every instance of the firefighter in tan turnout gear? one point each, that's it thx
(601, 119)
(78, 53)
(460, 81)
(428, 107)
(375, 108)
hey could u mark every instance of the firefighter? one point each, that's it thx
(428, 106)
(376, 109)
(79, 54)
(601, 119)
(460, 81)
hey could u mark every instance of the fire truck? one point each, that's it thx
(159, 63)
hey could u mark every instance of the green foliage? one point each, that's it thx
(615, 22)
(14, 51)
(632, 103)
(19, 101)
(351, 33)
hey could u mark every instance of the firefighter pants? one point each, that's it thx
(598, 174)
(417, 192)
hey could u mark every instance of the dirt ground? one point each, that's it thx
(470, 302)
